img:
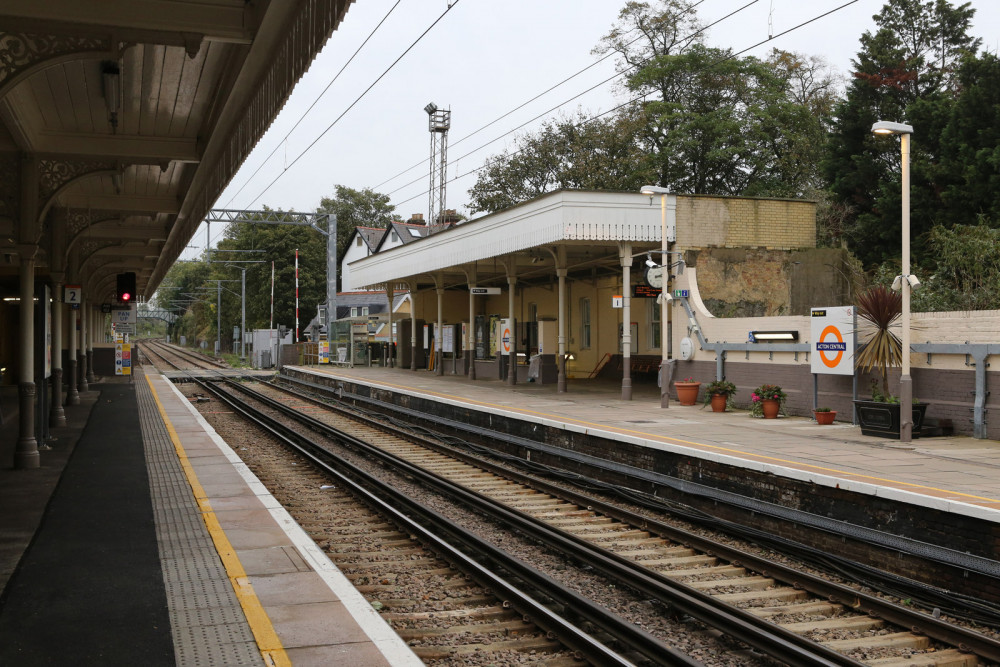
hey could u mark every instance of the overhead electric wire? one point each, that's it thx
(553, 87)
(639, 97)
(451, 6)
(314, 102)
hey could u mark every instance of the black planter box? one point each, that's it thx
(882, 419)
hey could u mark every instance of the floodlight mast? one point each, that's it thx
(438, 122)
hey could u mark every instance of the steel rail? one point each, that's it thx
(763, 635)
(359, 482)
(940, 630)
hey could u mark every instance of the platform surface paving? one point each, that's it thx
(158, 546)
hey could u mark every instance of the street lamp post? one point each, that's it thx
(904, 131)
(664, 289)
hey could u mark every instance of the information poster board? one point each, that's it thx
(123, 359)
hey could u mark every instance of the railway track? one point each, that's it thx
(476, 605)
(165, 356)
(860, 627)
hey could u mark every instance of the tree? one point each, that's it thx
(905, 70)
(602, 154)
(726, 125)
(356, 208)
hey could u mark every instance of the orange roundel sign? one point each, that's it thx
(823, 346)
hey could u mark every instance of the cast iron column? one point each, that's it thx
(26, 450)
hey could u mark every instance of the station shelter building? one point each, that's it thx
(551, 283)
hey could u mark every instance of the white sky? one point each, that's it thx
(483, 59)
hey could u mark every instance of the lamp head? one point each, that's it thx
(884, 127)
(430, 108)
(653, 190)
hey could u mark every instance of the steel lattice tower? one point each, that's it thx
(439, 121)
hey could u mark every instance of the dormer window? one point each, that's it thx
(359, 242)
(394, 236)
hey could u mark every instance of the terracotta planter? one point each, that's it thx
(825, 418)
(687, 392)
(770, 407)
(719, 402)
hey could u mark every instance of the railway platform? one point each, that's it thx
(957, 475)
(142, 539)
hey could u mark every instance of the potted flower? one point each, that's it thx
(687, 390)
(766, 400)
(879, 308)
(717, 393)
(824, 416)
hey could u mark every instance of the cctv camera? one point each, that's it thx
(913, 280)
(897, 283)
(649, 262)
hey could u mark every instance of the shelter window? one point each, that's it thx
(585, 324)
(653, 317)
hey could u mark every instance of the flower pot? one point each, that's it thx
(770, 407)
(687, 392)
(719, 402)
(825, 418)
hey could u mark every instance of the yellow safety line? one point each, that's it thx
(664, 438)
(267, 639)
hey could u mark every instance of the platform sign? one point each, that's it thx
(484, 290)
(123, 359)
(832, 334)
(73, 295)
(617, 301)
(681, 293)
(124, 315)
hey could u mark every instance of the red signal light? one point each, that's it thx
(126, 297)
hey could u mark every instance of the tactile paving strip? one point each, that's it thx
(207, 622)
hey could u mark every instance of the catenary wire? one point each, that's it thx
(643, 96)
(314, 103)
(548, 90)
(451, 6)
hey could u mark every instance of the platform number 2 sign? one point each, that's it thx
(73, 295)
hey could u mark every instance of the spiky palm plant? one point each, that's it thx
(881, 348)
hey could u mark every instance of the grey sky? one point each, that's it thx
(483, 59)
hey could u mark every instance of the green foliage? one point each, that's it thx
(191, 287)
(601, 154)
(728, 125)
(823, 409)
(910, 69)
(880, 347)
(356, 208)
(719, 387)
